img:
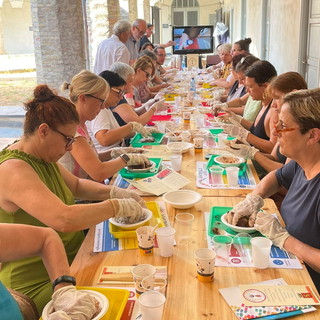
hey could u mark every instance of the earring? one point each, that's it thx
(264, 95)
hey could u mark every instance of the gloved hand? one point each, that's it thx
(269, 226)
(116, 152)
(127, 210)
(152, 130)
(249, 207)
(137, 127)
(241, 150)
(137, 159)
(160, 105)
(236, 131)
(58, 315)
(75, 303)
(234, 118)
(119, 193)
(159, 95)
(149, 103)
(220, 107)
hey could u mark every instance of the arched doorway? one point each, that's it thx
(185, 12)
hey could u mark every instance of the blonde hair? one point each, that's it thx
(144, 63)
(86, 82)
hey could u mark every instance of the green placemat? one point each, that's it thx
(135, 142)
(211, 162)
(131, 175)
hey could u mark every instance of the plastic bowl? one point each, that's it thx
(101, 298)
(174, 136)
(153, 165)
(182, 199)
(132, 226)
(229, 161)
(185, 146)
(236, 228)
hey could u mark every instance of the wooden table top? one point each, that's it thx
(187, 298)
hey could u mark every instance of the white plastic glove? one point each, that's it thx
(137, 127)
(249, 207)
(137, 159)
(241, 150)
(160, 105)
(234, 118)
(58, 315)
(159, 95)
(116, 152)
(127, 210)
(149, 103)
(269, 226)
(236, 131)
(220, 107)
(78, 305)
(119, 193)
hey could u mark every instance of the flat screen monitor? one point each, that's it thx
(192, 39)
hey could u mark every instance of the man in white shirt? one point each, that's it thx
(138, 29)
(113, 49)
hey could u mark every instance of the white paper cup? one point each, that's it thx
(183, 226)
(155, 284)
(205, 259)
(186, 116)
(232, 175)
(139, 272)
(216, 175)
(261, 252)
(165, 239)
(198, 143)
(145, 240)
(151, 305)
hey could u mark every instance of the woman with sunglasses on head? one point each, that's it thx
(298, 134)
(91, 93)
(36, 190)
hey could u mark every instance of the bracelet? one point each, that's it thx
(68, 279)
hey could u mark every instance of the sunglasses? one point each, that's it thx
(70, 140)
(282, 128)
(101, 100)
(118, 91)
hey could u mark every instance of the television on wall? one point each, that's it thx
(192, 39)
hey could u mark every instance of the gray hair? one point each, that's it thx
(137, 22)
(121, 26)
(122, 69)
(225, 47)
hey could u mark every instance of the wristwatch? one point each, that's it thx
(125, 157)
(61, 279)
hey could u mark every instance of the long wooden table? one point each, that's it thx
(187, 298)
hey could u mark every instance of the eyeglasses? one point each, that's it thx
(101, 100)
(118, 91)
(141, 32)
(70, 140)
(161, 55)
(282, 128)
(147, 74)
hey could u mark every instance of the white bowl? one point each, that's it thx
(153, 165)
(182, 199)
(174, 136)
(197, 133)
(236, 228)
(101, 298)
(185, 146)
(229, 161)
(132, 226)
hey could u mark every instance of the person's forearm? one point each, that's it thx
(267, 162)
(268, 186)
(261, 144)
(238, 110)
(91, 190)
(308, 254)
(246, 123)
(109, 137)
(236, 103)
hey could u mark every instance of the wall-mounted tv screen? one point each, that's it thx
(192, 39)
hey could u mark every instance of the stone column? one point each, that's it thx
(102, 16)
(58, 33)
(133, 10)
(1, 33)
(146, 11)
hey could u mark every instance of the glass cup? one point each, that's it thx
(232, 175)
(222, 246)
(205, 260)
(183, 226)
(165, 239)
(261, 247)
(216, 175)
(155, 284)
(145, 237)
(139, 272)
(151, 305)
(177, 101)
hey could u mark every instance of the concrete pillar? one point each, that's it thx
(58, 40)
(133, 10)
(146, 11)
(102, 15)
(1, 34)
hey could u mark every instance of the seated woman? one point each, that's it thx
(124, 112)
(241, 47)
(258, 133)
(35, 190)
(104, 130)
(298, 133)
(18, 241)
(90, 93)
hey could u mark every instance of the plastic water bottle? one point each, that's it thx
(183, 63)
(193, 85)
